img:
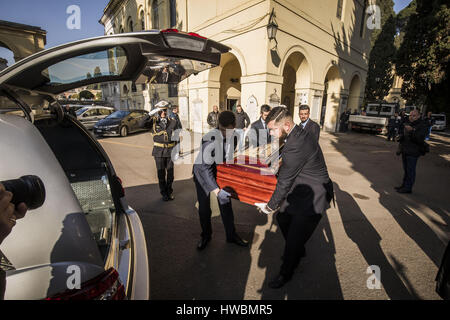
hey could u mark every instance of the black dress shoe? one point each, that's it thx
(404, 190)
(165, 197)
(171, 197)
(203, 243)
(399, 187)
(237, 240)
(278, 282)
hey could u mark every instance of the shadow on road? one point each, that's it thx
(315, 278)
(377, 166)
(177, 269)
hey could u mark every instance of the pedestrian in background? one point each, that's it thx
(393, 127)
(412, 146)
(306, 123)
(213, 117)
(260, 128)
(430, 121)
(242, 119)
(345, 116)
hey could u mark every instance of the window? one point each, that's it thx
(173, 13)
(133, 87)
(340, 5)
(142, 20)
(105, 112)
(155, 15)
(363, 20)
(130, 24)
(173, 90)
(104, 63)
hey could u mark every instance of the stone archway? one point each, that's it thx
(333, 100)
(296, 82)
(226, 77)
(22, 40)
(354, 93)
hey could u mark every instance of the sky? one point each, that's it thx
(400, 4)
(51, 16)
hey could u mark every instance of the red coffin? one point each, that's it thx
(250, 179)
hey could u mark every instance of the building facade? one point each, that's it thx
(318, 57)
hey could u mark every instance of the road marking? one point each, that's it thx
(126, 144)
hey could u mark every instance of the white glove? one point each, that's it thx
(264, 208)
(154, 111)
(223, 196)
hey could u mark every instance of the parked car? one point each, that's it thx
(89, 116)
(74, 107)
(85, 223)
(121, 123)
(440, 122)
(376, 118)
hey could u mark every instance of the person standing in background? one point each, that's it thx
(242, 119)
(213, 117)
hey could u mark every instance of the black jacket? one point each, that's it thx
(412, 142)
(394, 122)
(313, 128)
(302, 176)
(162, 135)
(205, 166)
(242, 120)
(213, 119)
(257, 126)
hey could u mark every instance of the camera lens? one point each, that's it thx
(28, 189)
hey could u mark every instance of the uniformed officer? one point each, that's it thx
(162, 127)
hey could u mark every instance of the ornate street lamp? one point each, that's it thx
(272, 27)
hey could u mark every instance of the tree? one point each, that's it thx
(85, 94)
(387, 11)
(380, 74)
(423, 57)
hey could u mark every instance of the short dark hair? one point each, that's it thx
(304, 107)
(277, 114)
(227, 118)
(265, 108)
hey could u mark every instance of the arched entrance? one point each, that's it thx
(331, 102)
(296, 82)
(230, 82)
(354, 94)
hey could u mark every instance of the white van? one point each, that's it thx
(440, 121)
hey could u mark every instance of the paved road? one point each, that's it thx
(405, 235)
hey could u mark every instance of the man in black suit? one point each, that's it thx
(303, 191)
(307, 123)
(260, 134)
(213, 150)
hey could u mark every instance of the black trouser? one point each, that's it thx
(392, 132)
(164, 166)
(296, 230)
(409, 169)
(204, 211)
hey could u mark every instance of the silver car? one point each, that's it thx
(85, 242)
(89, 116)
